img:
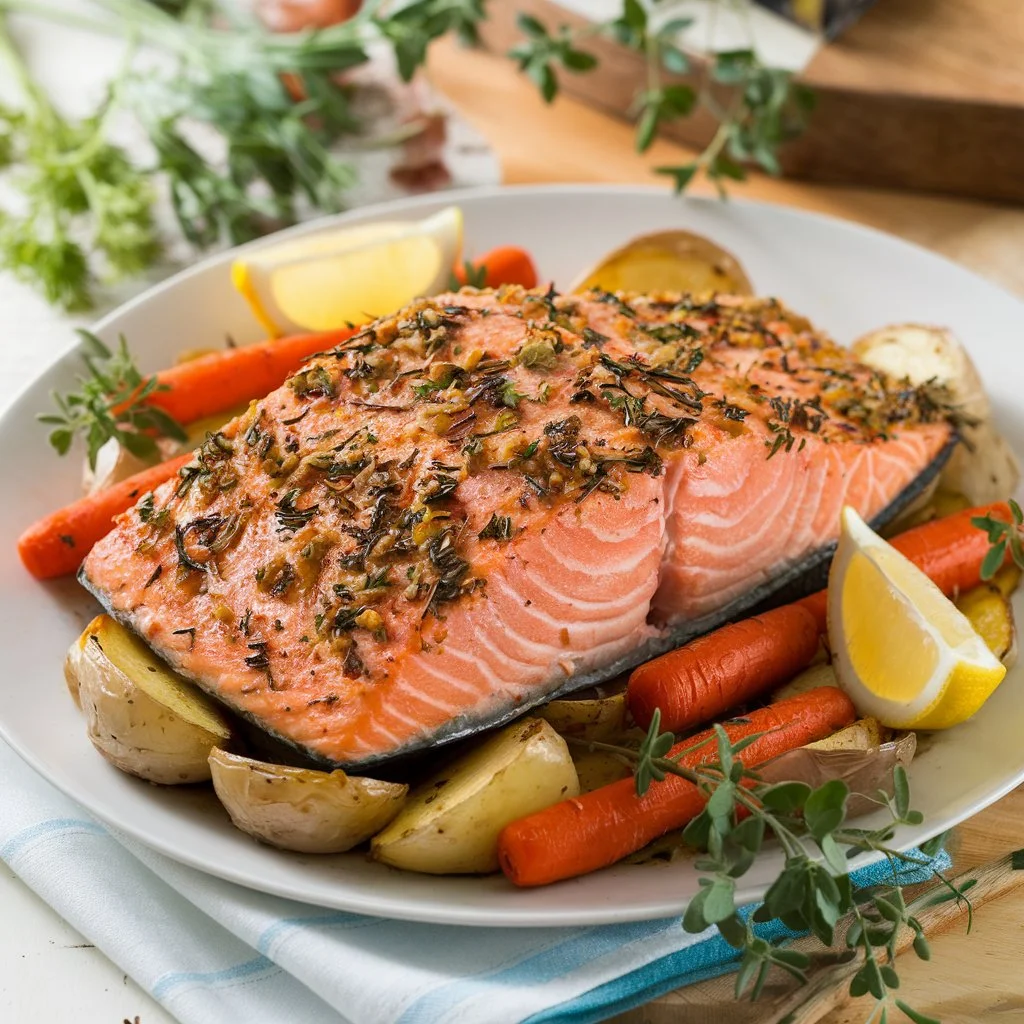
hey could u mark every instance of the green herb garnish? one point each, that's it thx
(475, 275)
(508, 395)
(498, 528)
(763, 107)
(112, 404)
(290, 518)
(269, 102)
(1003, 537)
(87, 210)
(813, 892)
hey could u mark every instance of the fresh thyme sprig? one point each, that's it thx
(763, 107)
(813, 892)
(1002, 536)
(111, 404)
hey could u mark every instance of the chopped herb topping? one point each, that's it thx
(190, 632)
(611, 299)
(499, 528)
(670, 332)
(151, 515)
(313, 383)
(509, 395)
(290, 518)
(259, 659)
(211, 470)
(450, 568)
(731, 412)
(438, 488)
(199, 540)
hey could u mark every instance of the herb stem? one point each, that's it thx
(703, 777)
(16, 62)
(58, 15)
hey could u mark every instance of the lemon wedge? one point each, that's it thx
(901, 649)
(349, 275)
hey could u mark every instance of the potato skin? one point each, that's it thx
(452, 821)
(601, 718)
(990, 612)
(668, 261)
(302, 809)
(130, 729)
(140, 715)
(984, 469)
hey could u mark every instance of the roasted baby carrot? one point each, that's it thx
(949, 551)
(56, 544)
(508, 264)
(704, 678)
(739, 661)
(601, 827)
(217, 382)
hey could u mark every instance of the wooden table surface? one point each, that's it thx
(971, 978)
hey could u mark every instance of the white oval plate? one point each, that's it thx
(845, 278)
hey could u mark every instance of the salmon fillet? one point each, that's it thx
(492, 497)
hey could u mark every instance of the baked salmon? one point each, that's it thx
(493, 497)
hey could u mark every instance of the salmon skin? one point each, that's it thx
(494, 497)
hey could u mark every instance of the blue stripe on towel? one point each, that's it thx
(28, 835)
(708, 959)
(213, 979)
(541, 967)
(273, 933)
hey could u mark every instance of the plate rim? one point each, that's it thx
(401, 907)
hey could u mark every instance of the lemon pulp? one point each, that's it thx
(348, 275)
(902, 650)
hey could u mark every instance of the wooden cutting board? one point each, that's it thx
(919, 94)
(972, 978)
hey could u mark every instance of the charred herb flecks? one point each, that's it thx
(390, 470)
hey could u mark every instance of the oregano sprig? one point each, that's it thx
(757, 107)
(813, 892)
(1003, 537)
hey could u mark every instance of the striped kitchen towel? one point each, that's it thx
(215, 953)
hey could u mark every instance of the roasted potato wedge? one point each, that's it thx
(810, 679)
(668, 261)
(76, 652)
(303, 809)
(597, 719)
(991, 614)
(597, 768)
(933, 504)
(451, 822)
(988, 473)
(984, 468)
(140, 715)
(1006, 580)
(865, 734)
